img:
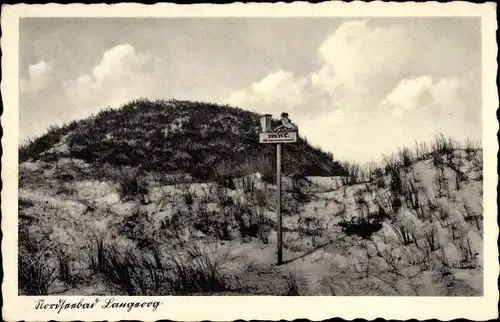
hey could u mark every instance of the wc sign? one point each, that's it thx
(284, 133)
(278, 137)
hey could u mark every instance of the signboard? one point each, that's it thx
(278, 137)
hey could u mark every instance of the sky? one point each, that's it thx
(359, 88)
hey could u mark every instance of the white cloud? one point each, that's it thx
(40, 77)
(410, 94)
(280, 86)
(424, 93)
(358, 53)
(448, 92)
(39, 69)
(416, 110)
(117, 63)
(114, 60)
(360, 103)
(238, 98)
(361, 62)
(35, 92)
(122, 75)
(274, 93)
(83, 79)
(433, 106)
(359, 65)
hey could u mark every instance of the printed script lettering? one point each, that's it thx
(109, 303)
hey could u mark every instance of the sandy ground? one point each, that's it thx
(319, 257)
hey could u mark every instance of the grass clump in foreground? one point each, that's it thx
(36, 273)
(194, 271)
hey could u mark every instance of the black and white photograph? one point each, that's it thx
(256, 156)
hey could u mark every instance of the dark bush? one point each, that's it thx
(364, 225)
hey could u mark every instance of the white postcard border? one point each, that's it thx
(251, 307)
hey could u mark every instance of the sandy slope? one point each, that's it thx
(63, 208)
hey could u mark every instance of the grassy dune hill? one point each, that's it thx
(175, 137)
(412, 226)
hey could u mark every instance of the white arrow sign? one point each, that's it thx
(278, 137)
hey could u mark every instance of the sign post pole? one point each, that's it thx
(287, 132)
(278, 205)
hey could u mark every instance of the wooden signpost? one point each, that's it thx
(285, 133)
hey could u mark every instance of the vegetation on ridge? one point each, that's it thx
(204, 140)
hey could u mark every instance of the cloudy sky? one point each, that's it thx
(356, 87)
